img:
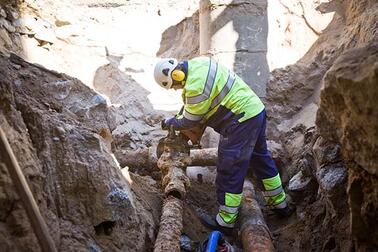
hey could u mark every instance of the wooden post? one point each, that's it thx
(32, 210)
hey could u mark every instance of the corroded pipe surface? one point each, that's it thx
(175, 183)
(147, 157)
(174, 180)
(172, 164)
(255, 234)
(204, 157)
(168, 238)
(138, 158)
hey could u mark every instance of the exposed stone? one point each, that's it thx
(76, 181)
(348, 115)
(63, 18)
(7, 25)
(17, 23)
(11, 10)
(4, 38)
(332, 178)
(187, 30)
(326, 152)
(302, 188)
(349, 106)
(13, 14)
(3, 13)
(293, 96)
(299, 182)
(363, 202)
(4, 52)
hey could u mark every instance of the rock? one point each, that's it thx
(331, 173)
(98, 100)
(187, 30)
(4, 38)
(63, 18)
(13, 15)
(326, 152)
(77, 183)
(287, 90)
(332, 186)
(332, 178)
(299, 182)
(3, 13)
(17, 23)
(61, 88)
(119, 197)
(348, 115)
(363, 201)
(93, 247)
(7, 25)
(4, 52)
(15, 66)
(61, 130)
(10, 12)
(349, 96)
(302, 188)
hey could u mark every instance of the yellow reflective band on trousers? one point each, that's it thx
(228, 218)
(232, 201)
(273, 188)
(275, 200)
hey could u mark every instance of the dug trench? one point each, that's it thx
(72, 134)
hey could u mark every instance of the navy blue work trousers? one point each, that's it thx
(243, 145)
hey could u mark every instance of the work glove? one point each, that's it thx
(194, 134)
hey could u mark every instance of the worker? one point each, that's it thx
(216, 97)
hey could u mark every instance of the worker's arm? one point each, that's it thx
(189, 116)
(180, 122)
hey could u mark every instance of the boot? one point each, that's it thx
(211, 223)
(285, 212)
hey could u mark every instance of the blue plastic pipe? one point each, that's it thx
(212, 243)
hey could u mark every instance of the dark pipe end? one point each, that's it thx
(175, 194)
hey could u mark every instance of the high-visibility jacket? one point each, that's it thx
(215, 96)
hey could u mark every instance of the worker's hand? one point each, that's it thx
(164, 125)
(194, 134)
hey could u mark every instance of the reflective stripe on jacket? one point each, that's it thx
(210, 86)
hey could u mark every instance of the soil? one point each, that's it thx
(52, 121)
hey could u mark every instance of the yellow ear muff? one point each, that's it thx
(178, 75)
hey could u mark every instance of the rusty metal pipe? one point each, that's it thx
(147, 157)
(255, 234)
(168, 238)
(204, 157)
(172, 164)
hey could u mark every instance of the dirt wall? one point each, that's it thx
(53, 123)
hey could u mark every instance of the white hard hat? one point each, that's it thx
(163, 70)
